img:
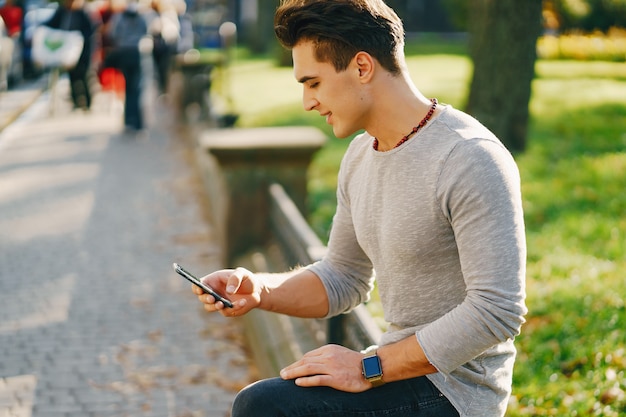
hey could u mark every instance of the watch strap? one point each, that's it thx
(376, 381)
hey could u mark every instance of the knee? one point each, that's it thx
(248, 400)
(257, 399)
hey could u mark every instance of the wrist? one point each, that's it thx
(264, 293)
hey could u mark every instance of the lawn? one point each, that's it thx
(572, 350)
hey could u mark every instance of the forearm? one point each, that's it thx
(297, 293)
(404, 360)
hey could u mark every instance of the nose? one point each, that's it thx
(309, 102)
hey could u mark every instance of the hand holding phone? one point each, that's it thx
(187, 275)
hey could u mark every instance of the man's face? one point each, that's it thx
(335, 95)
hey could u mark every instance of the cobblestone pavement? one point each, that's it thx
(93, 320)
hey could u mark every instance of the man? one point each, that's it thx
(125, 30)
(164, 28)
(427, 198)
(71, 15)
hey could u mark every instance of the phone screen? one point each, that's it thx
(191, 278)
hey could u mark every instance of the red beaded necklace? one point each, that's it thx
(416, 128)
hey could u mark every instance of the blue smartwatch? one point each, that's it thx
(372, 369)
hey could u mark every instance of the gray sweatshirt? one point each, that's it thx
(439, 219)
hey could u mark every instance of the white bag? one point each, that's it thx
(56, 48)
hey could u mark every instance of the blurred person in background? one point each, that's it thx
(126, 30)
(164, 28)
(111, 79)
(71, 15)
(186, 39)
(12, 14)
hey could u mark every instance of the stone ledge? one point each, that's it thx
(239, 164)
(238, 139)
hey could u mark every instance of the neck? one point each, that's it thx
(414, 129)
(400, 108)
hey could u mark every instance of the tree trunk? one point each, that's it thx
(503, 48)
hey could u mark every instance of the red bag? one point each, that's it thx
(111, 79)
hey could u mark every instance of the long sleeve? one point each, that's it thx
(479, 192)
(346, 271)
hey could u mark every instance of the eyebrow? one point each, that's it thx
(306, 78)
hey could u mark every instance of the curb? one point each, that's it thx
(15, 101)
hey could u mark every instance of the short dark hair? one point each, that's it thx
(342, 28)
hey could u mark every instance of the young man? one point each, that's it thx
(427, 198)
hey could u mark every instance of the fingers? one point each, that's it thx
(228, 282)
(236, 311)
(314, 381)
(196, 290)
(330, 365)
(214, 280)
(311, 363)
(213, 306)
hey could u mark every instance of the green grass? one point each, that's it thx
(572, 350)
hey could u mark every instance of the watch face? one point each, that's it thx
(371, 366)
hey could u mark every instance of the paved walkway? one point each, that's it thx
(93, 320)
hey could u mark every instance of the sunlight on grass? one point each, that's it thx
(571, 351)
(580, 69)
(446, 77)
(262, 90)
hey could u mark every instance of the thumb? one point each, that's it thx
(236, 278)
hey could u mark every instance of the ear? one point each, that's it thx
(366, 65)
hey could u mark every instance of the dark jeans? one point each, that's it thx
(79, 87)
(162, 58)
(128, 61)
(277, 398)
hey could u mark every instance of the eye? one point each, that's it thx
(314, 84)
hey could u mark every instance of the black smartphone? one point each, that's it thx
(187, 275)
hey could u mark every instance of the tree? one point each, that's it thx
(503, 37)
